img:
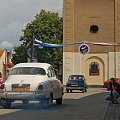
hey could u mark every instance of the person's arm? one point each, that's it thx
(109, 87)
(115, 86)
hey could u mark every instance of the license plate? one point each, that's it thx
(25, 87)
(74, 85)
(21, 88)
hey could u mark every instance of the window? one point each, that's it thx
(94, 28)
(28, 71)
(38, 71)
(51, 72)
(94, 68)
(76, 77)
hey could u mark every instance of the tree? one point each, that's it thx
(48, 28)
(20, 55)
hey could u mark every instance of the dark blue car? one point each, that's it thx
(76, 82)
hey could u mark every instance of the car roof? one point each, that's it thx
(41, 65)
(76, 76)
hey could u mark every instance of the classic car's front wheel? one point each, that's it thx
(85, 90)
(67, 90)
(59, 101)
(70, 91)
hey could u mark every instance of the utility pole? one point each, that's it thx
(32, 48)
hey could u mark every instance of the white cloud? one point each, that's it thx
(12, 32)
(6, 45)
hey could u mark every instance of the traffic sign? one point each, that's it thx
(84, 49)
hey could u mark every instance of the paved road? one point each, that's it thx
(76, 106)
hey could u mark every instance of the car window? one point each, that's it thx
(51, 72)
(38, 71)
(76, 77)
(27, 71)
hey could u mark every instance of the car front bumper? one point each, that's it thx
(75, 88)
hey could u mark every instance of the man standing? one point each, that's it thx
(114, 88)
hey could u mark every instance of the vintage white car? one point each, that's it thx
(32, 81)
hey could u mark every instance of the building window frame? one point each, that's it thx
(94, 69)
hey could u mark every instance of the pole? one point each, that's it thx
(32, 48)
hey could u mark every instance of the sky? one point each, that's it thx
(15, 14)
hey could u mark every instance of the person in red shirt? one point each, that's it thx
(114, 89)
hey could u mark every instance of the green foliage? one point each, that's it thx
(48, 28)
(20, 55)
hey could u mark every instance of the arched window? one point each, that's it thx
(94, 68)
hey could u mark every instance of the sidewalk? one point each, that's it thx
(113, 112)
(93, 107)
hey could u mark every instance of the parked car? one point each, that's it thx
(106, 83)
(32, 81)
(76, 82)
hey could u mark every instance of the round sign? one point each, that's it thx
(84, 49)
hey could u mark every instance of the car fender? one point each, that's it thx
(57, 90)
(47, 89)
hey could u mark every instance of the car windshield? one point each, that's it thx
(76, 78)
(27, 71)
